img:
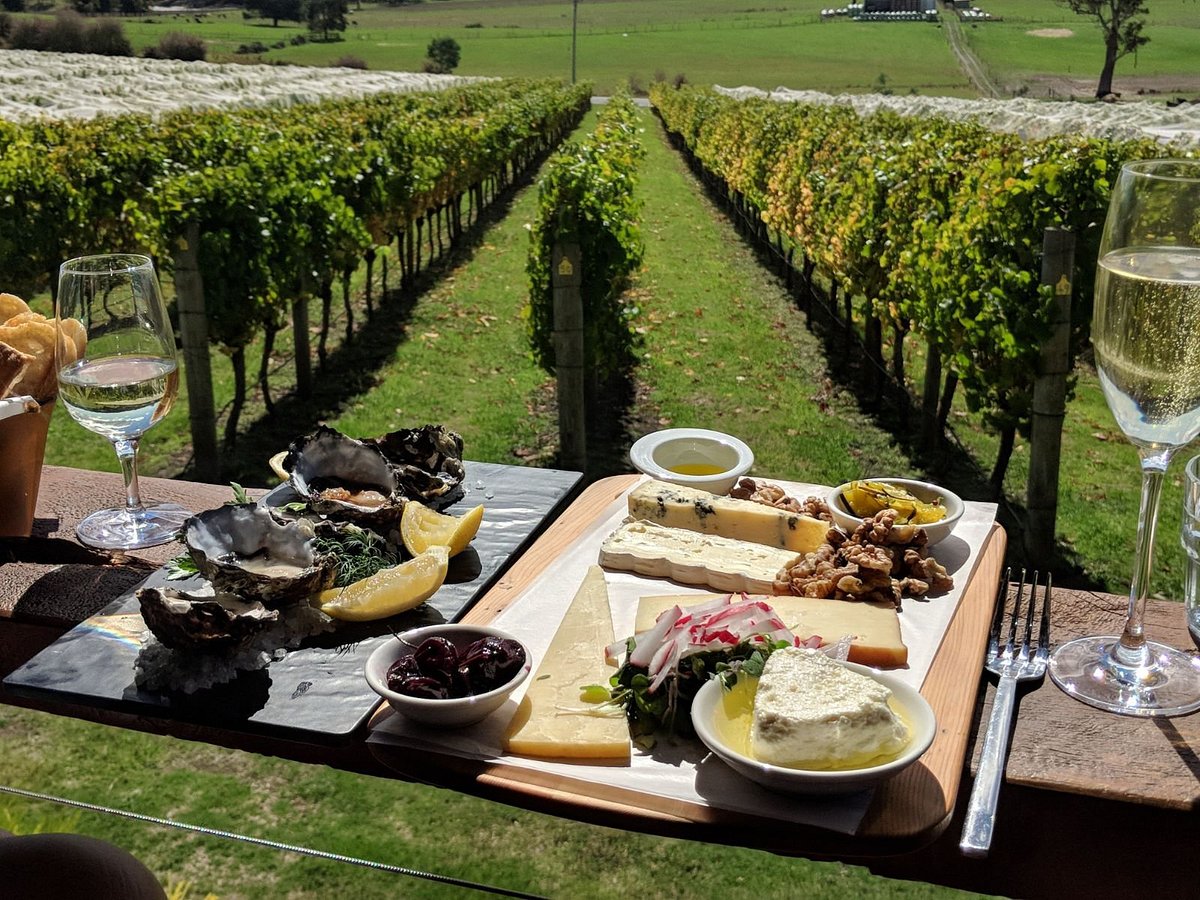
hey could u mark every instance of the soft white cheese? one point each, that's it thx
(812, 712)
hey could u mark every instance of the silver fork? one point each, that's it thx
(1012, 662)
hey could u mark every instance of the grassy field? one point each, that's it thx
(625, 42)
(726, 347)
(618, 43)
(1016, 54)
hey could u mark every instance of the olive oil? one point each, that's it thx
(696, 469)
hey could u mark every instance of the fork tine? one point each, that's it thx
(1030, 613)
(998, 614)
(1044, 632)
(1016, 614)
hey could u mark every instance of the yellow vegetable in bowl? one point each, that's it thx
(866, 498)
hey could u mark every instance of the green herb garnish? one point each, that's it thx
(357, 554)
(182, 566)
(669, 708)
(239, 495)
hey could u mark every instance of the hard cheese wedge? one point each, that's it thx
(875, 626)
(693, 558)
(574, 660)
(743, 520)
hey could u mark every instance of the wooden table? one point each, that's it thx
(1093, 802)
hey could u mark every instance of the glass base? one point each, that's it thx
(1168, 684)
(119, 529)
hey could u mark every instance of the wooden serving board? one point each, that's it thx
(905, 813)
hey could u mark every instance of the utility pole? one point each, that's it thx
(574, 29)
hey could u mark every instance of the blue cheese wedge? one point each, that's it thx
(811, 712)
(743, 520)
(693, 558)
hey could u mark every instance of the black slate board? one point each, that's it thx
(316, 693)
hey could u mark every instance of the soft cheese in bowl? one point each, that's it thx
(814, 725)
(811, 712)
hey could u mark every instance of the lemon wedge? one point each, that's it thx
(277, 465)
(422, 528)
(389, 591)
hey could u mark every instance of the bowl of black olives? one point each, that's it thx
(448, 675)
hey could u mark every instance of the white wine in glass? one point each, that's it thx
(124, 380)
(1146, 334)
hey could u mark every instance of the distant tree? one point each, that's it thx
(444, 53)
(133, 7)
(177, 45)
(325, 16)
(13, 5)
(1121, 23)
(107, 38)
(275, 10)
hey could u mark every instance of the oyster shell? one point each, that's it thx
(427, 461)
(344, 478)
(203, 621)
(242, 549)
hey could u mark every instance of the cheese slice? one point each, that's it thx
(693, 558)
(875, 626)
(743, 520)
(542, 725)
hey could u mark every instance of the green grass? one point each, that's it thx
(1014, 55)
(724, 347)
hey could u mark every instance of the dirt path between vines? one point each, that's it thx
(967, 60)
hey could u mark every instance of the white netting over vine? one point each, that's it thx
(1179, 125)
(36, 84)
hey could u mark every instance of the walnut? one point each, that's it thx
(868, 556)
(881, 561)
(774, 496)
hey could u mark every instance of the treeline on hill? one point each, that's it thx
(924, 227)
(93, 26)
(276, 204)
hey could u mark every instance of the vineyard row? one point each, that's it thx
(268, 206)
(924, 226)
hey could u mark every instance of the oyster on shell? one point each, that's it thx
(344, 478)
(203, 621)
(427, 461)
(242, 549)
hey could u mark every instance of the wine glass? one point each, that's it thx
(1146, 333)
(121, 380)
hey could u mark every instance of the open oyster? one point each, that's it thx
(344, 478)
(204, 621)
(427, 461)
(242, 549)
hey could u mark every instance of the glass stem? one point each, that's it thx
(1131, 650)
(127, 454)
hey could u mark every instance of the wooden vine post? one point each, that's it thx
(566, 279)
(193, 328)
(1050, 396)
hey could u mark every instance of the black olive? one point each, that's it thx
(491, 662)
(437, 658)
(403, 667)
(419, 686)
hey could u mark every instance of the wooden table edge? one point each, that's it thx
(892, 823)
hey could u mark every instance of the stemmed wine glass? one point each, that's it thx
(120, 382)
(1146, 333)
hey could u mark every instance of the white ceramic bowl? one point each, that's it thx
(666, 456)
(811, 781)
(922, 490)
(450, 713)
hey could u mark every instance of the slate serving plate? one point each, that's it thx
(317, 692)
